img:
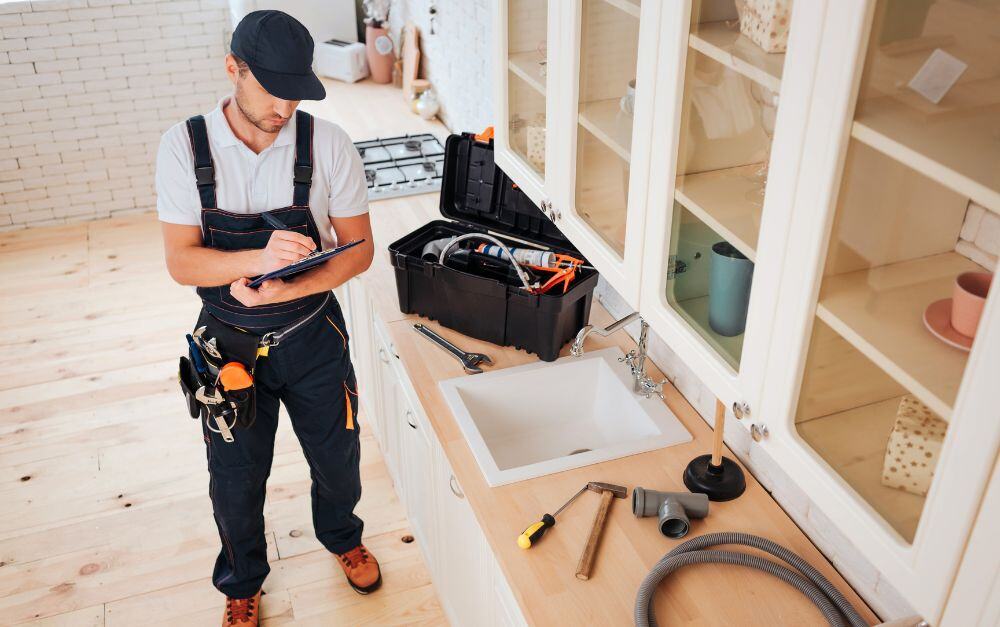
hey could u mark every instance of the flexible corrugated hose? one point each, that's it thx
(835, 608)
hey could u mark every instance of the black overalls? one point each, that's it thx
(309, 370)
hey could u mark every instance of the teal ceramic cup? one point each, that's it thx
(728, 290)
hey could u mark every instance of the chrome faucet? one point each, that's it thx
(636, 360)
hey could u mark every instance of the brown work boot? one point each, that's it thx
(242, 612)
(361, 569)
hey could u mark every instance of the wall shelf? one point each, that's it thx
(720, 199)
(695, 311)
(726, 45)
(601, 119)
(880, 312)
(525, 66)
(632, 7)
(959, 151)
(853, 442)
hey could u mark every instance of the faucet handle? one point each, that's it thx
(650, 387)
(629, 358)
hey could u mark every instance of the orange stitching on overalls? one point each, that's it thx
(350, 409)
(334, 325)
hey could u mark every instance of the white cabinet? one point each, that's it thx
(468, 580)
(415, 470)
(388, 416)
(783, 221)
(573, 94)
(464, 582)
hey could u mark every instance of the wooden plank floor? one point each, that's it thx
(104, 510)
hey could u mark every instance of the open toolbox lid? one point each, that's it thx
(477, 193)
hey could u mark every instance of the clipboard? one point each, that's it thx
(306, 263)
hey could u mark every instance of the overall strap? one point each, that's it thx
(303, 158)
(204, 168)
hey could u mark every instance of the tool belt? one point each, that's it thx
(216, 376)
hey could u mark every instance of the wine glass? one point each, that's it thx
(768, 101)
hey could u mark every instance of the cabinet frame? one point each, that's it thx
(924, 570)
(534, 185)
(622, 271)
(791, 129)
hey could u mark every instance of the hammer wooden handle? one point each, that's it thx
(587, 559)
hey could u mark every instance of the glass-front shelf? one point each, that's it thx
(732, 79)
(609, 46)
(526, 71)
(901, 289)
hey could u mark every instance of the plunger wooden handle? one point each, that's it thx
(587, 559)
(720, 427)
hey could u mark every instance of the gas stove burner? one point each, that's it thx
(401, 166)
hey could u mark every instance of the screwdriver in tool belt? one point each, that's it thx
(536, 530)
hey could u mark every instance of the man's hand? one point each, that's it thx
(267, 293)
(283, 248)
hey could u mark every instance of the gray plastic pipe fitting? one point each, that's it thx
(674, 509)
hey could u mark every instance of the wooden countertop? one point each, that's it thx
(543, 578)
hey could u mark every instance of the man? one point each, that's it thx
(215, 176)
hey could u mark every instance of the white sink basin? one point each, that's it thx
(542, 418)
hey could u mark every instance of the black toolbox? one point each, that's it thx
(478, 197)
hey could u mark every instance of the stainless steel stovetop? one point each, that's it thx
(401, 166)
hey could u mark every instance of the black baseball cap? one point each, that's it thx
(279, 51)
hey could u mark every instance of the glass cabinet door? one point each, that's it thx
(606, 93)
(908, 263)
(730, 102)
(526, 82)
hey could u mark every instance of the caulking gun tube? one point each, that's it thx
(540, 258)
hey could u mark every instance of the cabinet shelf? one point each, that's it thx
(601, 119)
(629, 6)
(525, 65)
(958, 151)
(726, 45)
(853, 443)
(695, 310)
(880, 312)
(719, 198)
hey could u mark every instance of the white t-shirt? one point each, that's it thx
(251, 183)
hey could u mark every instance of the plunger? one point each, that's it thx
(719, 477)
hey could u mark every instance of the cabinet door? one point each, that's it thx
(363, 351)
(465, 583)
(524, 37)
(416, 470)
(727, 139)
(601, 153)
(506, 611)
(388, 414)
(888, 425)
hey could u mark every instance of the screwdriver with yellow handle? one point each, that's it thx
(535, 531)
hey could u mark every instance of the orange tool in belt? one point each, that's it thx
(234, 376)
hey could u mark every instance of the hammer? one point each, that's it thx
(607, 491)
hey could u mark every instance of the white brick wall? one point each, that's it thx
(457, 58)
(980, 237)
(86, 89)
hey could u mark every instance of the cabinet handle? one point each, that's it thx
(382, 356)
(453, 484)
(407, 416)
(758, 432)
(741, 409)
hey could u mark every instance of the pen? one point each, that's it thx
(275, 222)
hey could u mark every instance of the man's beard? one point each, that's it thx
(258, 122)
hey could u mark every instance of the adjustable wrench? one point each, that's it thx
(470, 361)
